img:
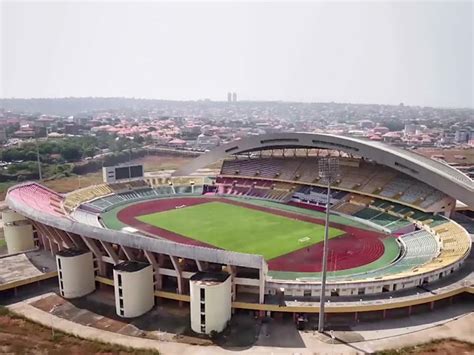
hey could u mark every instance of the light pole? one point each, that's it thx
(328, 170)
(40, 175)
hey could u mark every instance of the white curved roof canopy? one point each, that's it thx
(434, 173)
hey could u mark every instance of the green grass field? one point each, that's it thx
(240, 229)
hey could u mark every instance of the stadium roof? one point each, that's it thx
(434, 173)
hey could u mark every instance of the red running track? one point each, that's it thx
(357, 247)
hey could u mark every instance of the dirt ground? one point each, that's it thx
(440, 347)
(19, 336)
(450, 155)
(154, 163)
(74, 182)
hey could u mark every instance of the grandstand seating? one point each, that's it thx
(283, 186)
(420, 248)
(386, 220)
(348, 208)
(390, 221)
(140, 193)
(183, 189)
(39, 197)
(367, 213)
(432, 198)
(360, 200)
(420, 244)
(397, 186)
(355, 175)
(453, 239)
(318, 195)
(353, 178)
(376, 183)
(86, 217)
(427, 218)
(77, 197)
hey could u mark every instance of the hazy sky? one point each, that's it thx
(419, 53)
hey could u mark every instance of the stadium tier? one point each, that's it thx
(354, 176)
(39, 197)
(262, 219)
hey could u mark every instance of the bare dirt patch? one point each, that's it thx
(452, 155)
(72, 183)
(158, 162)
(441, 347)
(20, 336)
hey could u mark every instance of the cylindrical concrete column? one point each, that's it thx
(134, 290)
(75, 272)
(211, 302)
(9, 216)
(18, 232)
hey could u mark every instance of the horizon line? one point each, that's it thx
(244, 100)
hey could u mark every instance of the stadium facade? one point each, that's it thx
(392, 191)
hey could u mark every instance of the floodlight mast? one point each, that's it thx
(328, 171)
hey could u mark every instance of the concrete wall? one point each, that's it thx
(134, 296)
(76, 275)
(217, 306)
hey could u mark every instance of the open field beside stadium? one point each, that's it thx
(240, 229)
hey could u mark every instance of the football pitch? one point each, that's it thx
(240, 229)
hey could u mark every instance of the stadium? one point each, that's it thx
(251, 234)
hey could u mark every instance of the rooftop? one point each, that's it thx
(130, 266)
(71, 252)
(210, 277)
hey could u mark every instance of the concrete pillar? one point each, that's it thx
(18, 232)
(210, 301)
(134, 289)
(75, 272)
(179, 276)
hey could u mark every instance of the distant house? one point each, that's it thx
(177, 143)
(25, 132)
(207, 142)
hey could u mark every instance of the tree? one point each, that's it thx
(89, 151)
(13, 154)
(71, 152)
(49, 147)
(138, 139)
(31, 156)
(148, 139)
(393, 125)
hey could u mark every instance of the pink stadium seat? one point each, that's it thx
(39, 198)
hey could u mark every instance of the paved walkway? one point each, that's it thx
(456, 322)
(22, 266)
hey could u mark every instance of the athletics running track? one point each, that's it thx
(355, 248)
